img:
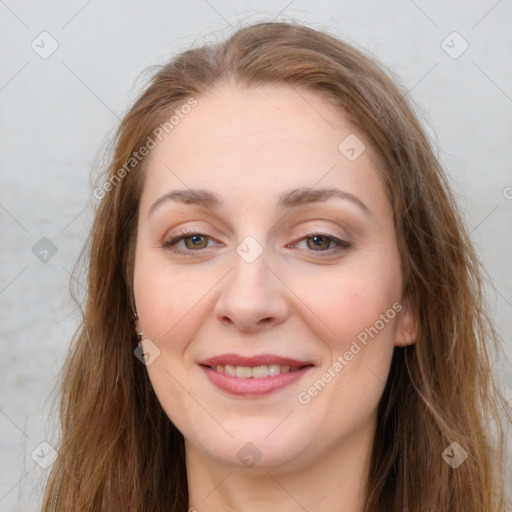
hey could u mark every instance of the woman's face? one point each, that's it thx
(288, 252)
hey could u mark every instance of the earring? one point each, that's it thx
(137, 327)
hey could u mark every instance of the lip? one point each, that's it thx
(250, 387)
(263, 359)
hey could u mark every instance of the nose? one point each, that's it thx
(252, 297)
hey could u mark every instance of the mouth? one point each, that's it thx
(253, 376)
(256, 372)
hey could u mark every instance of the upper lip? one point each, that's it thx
(263, 359)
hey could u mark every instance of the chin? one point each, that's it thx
(256, 451)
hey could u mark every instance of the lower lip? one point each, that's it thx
(250, 386)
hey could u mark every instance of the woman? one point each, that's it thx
(284, 308)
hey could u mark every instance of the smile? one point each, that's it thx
(253, 382)
(256, 372)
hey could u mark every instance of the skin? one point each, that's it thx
(294, 300)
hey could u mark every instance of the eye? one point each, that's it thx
(192, 240)
(321, 242)
(315, 242)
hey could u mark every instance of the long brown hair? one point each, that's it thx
(119, 451)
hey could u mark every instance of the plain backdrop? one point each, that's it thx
(59, 110)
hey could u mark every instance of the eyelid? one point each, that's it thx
(305, 232)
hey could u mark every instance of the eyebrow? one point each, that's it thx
(290, 199)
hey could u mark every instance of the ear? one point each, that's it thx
(407, 326)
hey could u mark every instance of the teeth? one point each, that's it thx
(243, 371)
(256, 372)
(259, 372)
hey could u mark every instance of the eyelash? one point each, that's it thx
(341, 245)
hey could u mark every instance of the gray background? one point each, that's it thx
(58, 112)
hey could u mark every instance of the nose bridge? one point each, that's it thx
(250, 274)
(251, 295)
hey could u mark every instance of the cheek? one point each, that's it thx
(349, 301)
(355, 318)
(165, 300)
(170, 304)
(356, 321)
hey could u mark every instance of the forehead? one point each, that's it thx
(262, 141)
